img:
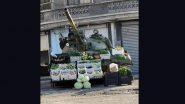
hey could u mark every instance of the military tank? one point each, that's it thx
(76, 40)
(63, 68)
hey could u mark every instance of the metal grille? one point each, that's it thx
(45, 5)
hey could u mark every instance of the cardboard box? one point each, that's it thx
(55, 74)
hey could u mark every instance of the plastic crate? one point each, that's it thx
(105, 56)
(111, 78)
(75, 58)
(125, 79)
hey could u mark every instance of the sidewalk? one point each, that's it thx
(125, 94)
(136, 77)
(99, 89)
(45, 84)
(110, 90)
(45, 78)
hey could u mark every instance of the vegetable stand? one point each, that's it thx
(92, 66)
(70, 71)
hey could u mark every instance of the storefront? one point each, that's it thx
(44, 50)
(130, 39)
(44, 47)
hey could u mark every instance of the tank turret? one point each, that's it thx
(98, 42)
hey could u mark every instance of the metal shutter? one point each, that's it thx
(130, 37)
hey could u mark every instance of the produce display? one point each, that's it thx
(54, 66)
(118, 50)
(78, 85)
(79, 80)
(125, 75)
(86, 56)
(105, 54)
(122, 59)
(75, 53)
(70, 66)
(88, 64)
(80, 76)
(68, 71)
(87, 85)
(55, 72)
(85, 79)
(81, 71)
(91, 68)
(125, 71)
(75, 58)
(120, 56)
(82, 81)
(55, 75)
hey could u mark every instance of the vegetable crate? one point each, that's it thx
(75, 58)
(68, 71)
(125, 79)
(105, 56)
(91, 68)
(115, 51)
(55, 75)
(111, 78)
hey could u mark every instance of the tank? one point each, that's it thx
(77, 41)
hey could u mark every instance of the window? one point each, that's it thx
(45, 5)
(85, 1)
(100, 1)
(73, 2)
(76, 2)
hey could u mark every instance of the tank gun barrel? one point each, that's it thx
(72, 24)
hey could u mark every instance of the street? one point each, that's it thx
(125, 94)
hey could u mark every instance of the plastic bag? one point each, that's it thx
(113, 67)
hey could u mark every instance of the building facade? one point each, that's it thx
(115, 19)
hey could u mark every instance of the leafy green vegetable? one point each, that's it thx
(81, 76)
(70, 66)
(119, 56)
(85, 79)
(125, 71)
(62, 68)
(97, 71)
(119, 48)
(87, 85)
(79, 80)
(90, 57)
(75, 53)
(103, 52)
(54, 66)
(82, 71)
(86, 56)
(78, 85)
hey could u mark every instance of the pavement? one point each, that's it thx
(136, 77)
(45, 78)
(124, 94)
